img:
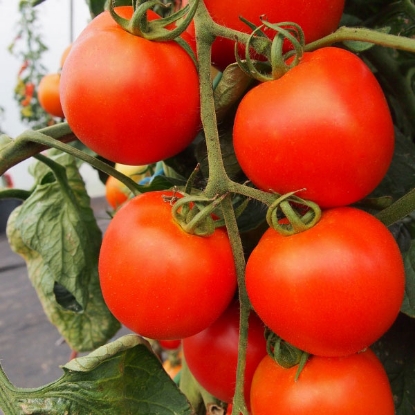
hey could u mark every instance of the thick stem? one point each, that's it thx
(21, 148)
(217, 174)
(30, 143)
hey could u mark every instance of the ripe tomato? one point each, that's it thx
(116, 192)
(212, 354)
(317, 19)
(158, 280)
(356, 385)
(65, 55)
(49, 96)
(332, 290)
(170, 344)
(325, 127)
(121, 94)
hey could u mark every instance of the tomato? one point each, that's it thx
(212, 354)
(130, 100)
(317, 19)
(170, 344)
(116, 192)
(158, 280)
(49, 96)
(353, 385)
(65, 55)
(332, 290)
(325, 127)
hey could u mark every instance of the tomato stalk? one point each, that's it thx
(30, 143)
(344, 34)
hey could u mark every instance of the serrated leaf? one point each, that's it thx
(124, 377)
(59, 239)
(59, 224)
(396, 351)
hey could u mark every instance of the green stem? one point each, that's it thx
(363, 35)
(21, 149)
(398, 210)
(239, 405)
(38, 140)
(15, 194)
(217, 174)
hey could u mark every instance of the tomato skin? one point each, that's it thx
(325, 127)
(156, 279)
(170, 344)
(308, 15)
(353, 385)
(212, 354)
(122, 102)
(332, 290)
(49, 96)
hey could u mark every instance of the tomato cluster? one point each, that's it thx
(322, 130)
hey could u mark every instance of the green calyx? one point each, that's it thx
(194, 214)
(284, 353)
(278, 62)
(290, 214)
(157, 30)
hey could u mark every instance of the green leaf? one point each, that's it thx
(56, 233)
(96, 7)
(396, 351)
(124, 377)
(5, 140)
(400, 178)
(232, 86)
(408, 306)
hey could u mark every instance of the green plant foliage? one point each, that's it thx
(56, 233)
(123, 377)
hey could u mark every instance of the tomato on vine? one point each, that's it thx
(158, 280)
(355, 384)
(323, 128)
(131, 100)
(212, 354)
(331, 290)
(49, 96)
(317, 19)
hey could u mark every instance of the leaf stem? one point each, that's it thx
(363, 35)
(30, 143)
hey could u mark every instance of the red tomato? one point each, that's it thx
(131, 100)
(158, 280)
(317, 19)
(212, 354)
(116, 192)
(170, 344)
(332, 290)
(325, 127)
(353, 385)
(48, 95)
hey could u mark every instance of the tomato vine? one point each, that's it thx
(220, 189)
